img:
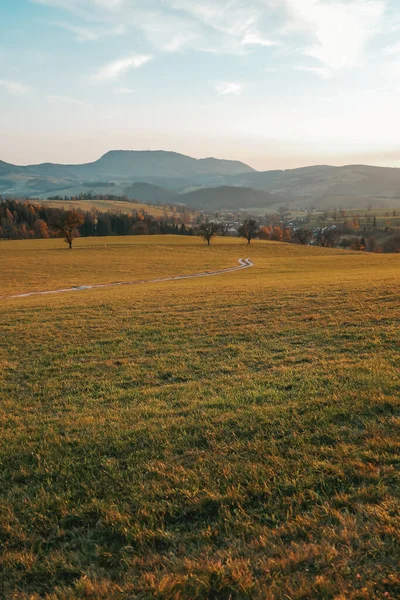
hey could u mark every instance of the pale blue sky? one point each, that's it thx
(275, 83)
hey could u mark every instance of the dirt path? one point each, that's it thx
(244, 263)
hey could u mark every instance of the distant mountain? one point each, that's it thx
(147, 192)
(232, 198)
(165, 169)
(125, 164)
(7, 169)
(158, 176)
(351, 186)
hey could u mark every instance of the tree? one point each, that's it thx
(358, 244)
(392, 244)
(208, 230)
(266, 232)
(277, 234)
(345, 243)
(249, 230)
(40, 229)
(372, 245)
(68, 225)
(302, 236)
(287, 235)
(328, 238)
(223, 229)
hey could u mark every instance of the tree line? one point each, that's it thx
(327, 237)
(26, 219)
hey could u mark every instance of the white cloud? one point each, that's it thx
(392, 50)
(90, 34)
(73, 5)
(339, 31)
(256, 39)
(225, 88)
(14, 87)
(124, 90)
(322, 72)
(179, 41)
(223, 26)
(335, 33)
(115, 69)
(65, 100)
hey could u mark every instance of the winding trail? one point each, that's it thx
(244, 263)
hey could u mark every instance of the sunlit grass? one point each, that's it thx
(230, 437)
(111, 205)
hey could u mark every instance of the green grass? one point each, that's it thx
(231, 437)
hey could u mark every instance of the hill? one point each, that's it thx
(147, 192)
(228, 197)
(321, 187)
(110, 205)
(351, 186)
(127, 164)
(225, 437)
(123, 168)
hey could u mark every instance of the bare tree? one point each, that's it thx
(372, 245)
(208, 230)
(302, 236)
(328, 238)
(68, 225)
(249, 230)
(392, 244)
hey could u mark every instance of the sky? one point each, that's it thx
(274, 83)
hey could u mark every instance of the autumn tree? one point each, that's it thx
(40, 229)
(208, 230)
(265, 232)
(358, 244)
(68, 225)
(287, 235)
(277, 234)
(249, 230)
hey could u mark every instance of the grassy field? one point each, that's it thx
(111, 205)
(220, 438)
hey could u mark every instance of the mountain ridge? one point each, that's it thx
(164, 175)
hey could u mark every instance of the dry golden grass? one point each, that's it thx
(111, 205)
(226, 437)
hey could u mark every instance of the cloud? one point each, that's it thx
(225, 26)
(14, 87)
(179, 41)
(333, 34)
(117, 68)
(322, 72)
(338, 31)
(256, 39)
(226, 88)
(392, 50)
(65, 100)
(124, 90)
(74, 5)
(90, 34)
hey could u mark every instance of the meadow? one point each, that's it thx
(110, 205)
(219, 438)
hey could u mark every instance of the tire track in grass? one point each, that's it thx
(244, 263)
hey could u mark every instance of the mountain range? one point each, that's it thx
(209, 183)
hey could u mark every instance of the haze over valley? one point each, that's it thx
(207, 184)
